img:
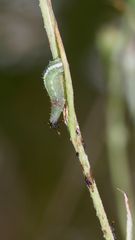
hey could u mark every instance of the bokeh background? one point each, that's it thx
(42, 190)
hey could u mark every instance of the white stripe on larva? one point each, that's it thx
(54, 66)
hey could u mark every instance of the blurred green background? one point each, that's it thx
(42, 190)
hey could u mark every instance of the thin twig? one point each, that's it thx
(57, 50)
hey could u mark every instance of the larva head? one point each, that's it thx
(56, 110)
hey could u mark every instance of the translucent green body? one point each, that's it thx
(53, 81)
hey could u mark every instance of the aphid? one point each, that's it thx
(53, 81)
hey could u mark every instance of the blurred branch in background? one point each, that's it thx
(117, 47)
(129, 227)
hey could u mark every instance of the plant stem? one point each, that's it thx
(57, 50)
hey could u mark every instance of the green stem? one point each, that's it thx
(57, 49)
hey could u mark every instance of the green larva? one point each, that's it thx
(53, 81)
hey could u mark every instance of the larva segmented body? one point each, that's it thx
(53, 81)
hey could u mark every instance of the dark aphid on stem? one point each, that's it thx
(53, 81)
